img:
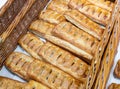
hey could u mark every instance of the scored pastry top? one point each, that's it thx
(51, 16)
(59, 6)
(57, 56)
(105, 4)
(84, 23)
(44, 72)
(41, 27)
(95, 13)
(76, 36)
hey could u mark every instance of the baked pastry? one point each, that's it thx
(41, 27)
(114, 86)
(6, 83)
(51, 16)
(59, 6)
(95, 13)
(44, 72)
(75, 36)
(46, 33)
(32, 44)
(36, 85)
(56, 56)
(18, 65)
(84, 23)
(117, 70)
(105, 4)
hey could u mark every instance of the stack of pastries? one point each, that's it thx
(72, 30)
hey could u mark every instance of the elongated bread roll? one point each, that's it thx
(18, 65)
(114, 86)
(43, 72)
(7, 83)
(95, 13)
(75, 36)
(105, 4)
(84, 23)
(56, 56)
(59, 6)
(39, 28)
(52, 16)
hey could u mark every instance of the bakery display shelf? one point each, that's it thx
(30, 12)
(108, 58)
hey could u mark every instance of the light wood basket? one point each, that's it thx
(108, 58)
(33, 8)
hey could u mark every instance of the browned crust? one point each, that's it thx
(14, 84)
(106, 4)
(95, 13)
(64, 44)
(114, 86)
(32, 45)
(84, 23)
(5, 7)
(11, 84)
(75, 36)
(51, 16)
(44, 72)
(117, 70)
(54, 55)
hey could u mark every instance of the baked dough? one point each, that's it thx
(56, 56)
(32, 44)
(84, 23)
(7, 83)
(114, 86)
(51, 16)
(59, 6)
(117, 70)
(46, 33)
(95, 13)
(75, 36)
(18, 65)
(105, 4)
(44, 72)
(41, 27)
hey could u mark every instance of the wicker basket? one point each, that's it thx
(108, 58)
(30, 13)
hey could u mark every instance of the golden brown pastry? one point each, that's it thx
(6, 83)
(31, 43)
(18, 65)
(44, 72)
(51, 16)
(59, 6)
(96, 13)
(46, 33)
(57, 56)
(75, 36)
(114, 86)
(105, 4)
(41, 27)
(36, 85)
(84, 23)
(117, 70)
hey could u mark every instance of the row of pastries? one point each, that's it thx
(72, 30)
